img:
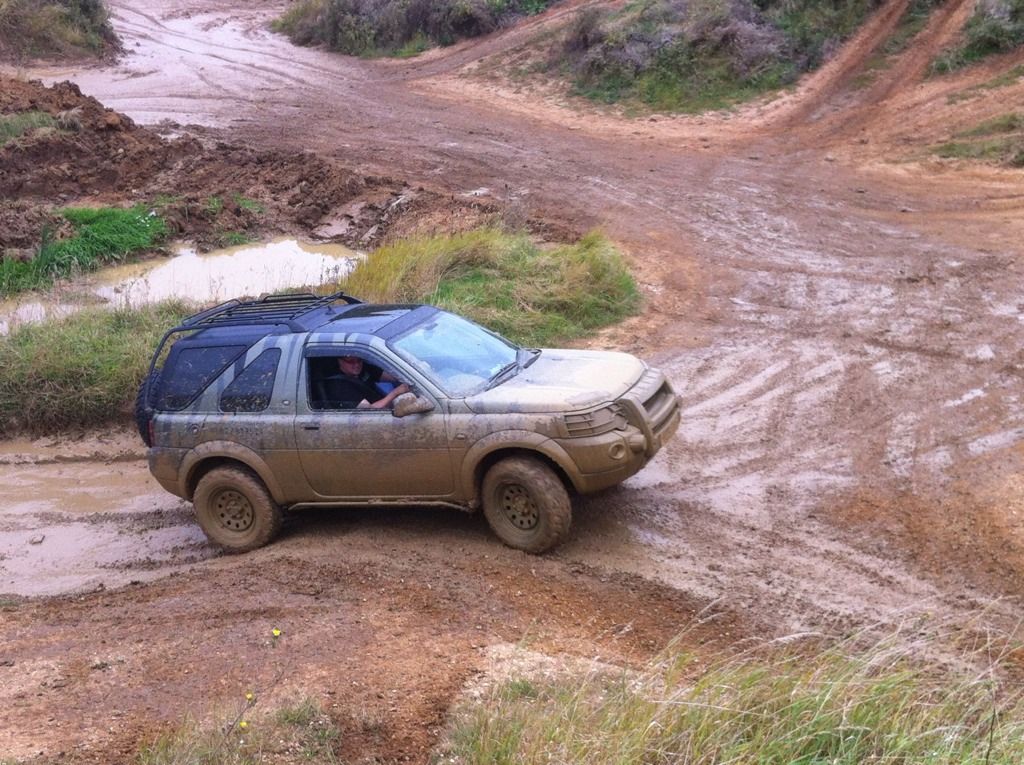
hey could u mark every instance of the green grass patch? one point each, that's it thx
(397, 27)
(1006, 123)
(213, 205)
(534, 295)
(700, 55)
(244, 203)
(55, 27)
(15, 125)
(1010, 77)
(994, 27)
(233, 238)
(836, 706)
(80, 372)
(414, 47)
(101, 236)
(999, 140)
(303, 729)
(914, 20)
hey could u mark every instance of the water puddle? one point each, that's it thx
(250, 269)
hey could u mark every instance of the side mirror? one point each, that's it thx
(410, 403)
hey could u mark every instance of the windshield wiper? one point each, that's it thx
(501, 374)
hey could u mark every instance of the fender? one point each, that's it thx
(233, 451)
(524, 440)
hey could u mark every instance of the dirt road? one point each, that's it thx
(843, 319)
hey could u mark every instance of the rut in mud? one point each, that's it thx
(845, 331)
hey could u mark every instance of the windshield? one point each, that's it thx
(458, 355)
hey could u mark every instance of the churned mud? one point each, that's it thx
(841, 314)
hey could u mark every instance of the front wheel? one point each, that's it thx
(235, 510)
(526, 505)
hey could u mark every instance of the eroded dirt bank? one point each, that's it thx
(845, 333)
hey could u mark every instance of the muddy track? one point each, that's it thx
(845, 337)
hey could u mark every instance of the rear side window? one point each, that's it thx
(187, 374)
(251, 390)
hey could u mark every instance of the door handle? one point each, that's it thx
(311, 427)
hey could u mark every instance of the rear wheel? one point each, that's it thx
(526, 505)
(235, 510)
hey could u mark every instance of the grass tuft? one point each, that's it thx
(839, 706)
(999, 140)
(48, 27)
(303, 729)
(16, 125)
(533, 295)
(80, 372)
(996, 26)
(101, 236)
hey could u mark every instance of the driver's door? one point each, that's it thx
(368, 453)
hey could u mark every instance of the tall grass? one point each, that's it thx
(999, 140)
(79, 372)
(397, 27)
(101, 236)
(996, 26)
(705, 54)
(534, 295)
(300, 732)
(48, 27)
(836, 706)
(15, 125)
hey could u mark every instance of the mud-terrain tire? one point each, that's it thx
(142, 416)
(526, 505)
(235, 510)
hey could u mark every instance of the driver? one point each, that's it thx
(355, 385)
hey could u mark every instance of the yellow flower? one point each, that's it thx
(249, 696)
(275, 632)
(243, 725)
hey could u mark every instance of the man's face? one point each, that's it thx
(350, 365)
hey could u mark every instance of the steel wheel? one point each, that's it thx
(235, 510)
(526, 504)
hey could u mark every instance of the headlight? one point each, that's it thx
(595, 423)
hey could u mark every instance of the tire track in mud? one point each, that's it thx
(845, 350)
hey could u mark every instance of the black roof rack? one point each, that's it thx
(272, 310)
(269, 309)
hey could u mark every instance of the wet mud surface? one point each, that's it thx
(842, 318)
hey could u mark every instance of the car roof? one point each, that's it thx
(379, 319)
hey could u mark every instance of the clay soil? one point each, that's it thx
(841, 313)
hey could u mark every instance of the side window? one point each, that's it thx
(187, 374)
(251, 390)
(334, 386)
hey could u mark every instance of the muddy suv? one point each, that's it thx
(242, 417)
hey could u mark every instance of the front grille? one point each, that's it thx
(660, 406)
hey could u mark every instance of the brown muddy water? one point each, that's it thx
(85, 515)
(250, 269)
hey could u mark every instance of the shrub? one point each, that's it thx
(701, 54)
(996, 26)
(49, 27)
(373, 27)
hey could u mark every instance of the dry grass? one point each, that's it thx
(778, 705)
(534, 295)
